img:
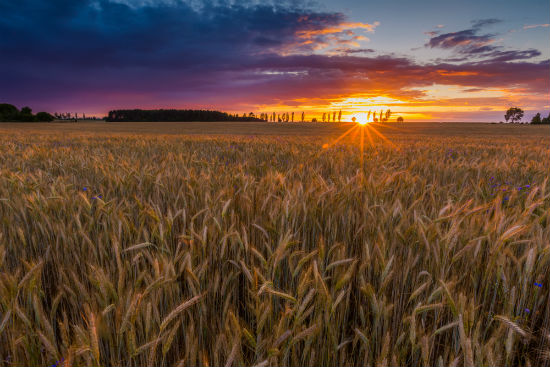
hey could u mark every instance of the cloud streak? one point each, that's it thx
(469, 44)
(531, 26)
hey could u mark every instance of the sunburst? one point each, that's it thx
(362, 127)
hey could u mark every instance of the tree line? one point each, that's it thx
(173, 115)
(331, 116)
(515, 114)
(67, 116)
(9, 112)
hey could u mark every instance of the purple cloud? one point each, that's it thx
(468, 44)
(480, 23)
(466, 41)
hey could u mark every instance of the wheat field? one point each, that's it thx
(121, 249)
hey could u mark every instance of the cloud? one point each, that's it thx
(322, 36)
(97, 55)
(531, 26)
(351, 51)
(466, 41)
(481, 23)
(432, 33)
(469, 44)
(511, 55)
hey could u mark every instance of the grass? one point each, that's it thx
(150, 249)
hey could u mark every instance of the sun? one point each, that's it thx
(360, 118)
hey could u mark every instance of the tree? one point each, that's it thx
(303, 116)
(546, 120)
(353, 119)
(400, 119)
(340, 116)
(292, 116)
(26, 114)
(8, 112)
(44, 116)
(324, 115)
(514, 114)
(536, 119)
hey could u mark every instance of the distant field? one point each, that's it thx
(262, 128)
(252, 244)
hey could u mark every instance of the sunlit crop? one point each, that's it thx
(157, 250)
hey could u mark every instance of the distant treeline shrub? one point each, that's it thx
(537, 120)
(9, 112)
(176, 115)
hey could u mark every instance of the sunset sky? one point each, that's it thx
(442, 60)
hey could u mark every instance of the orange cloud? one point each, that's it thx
(456, 73)
(530, 26)
(343, 27)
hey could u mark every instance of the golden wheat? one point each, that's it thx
(173, 250)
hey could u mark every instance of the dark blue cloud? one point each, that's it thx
(468, 45)
(480, 23)
(466, 41)
(512, 55)
(85, 33)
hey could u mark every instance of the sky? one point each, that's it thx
(442, 60)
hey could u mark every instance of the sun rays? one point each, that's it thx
(360, 128)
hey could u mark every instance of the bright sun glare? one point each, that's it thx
(361, 118)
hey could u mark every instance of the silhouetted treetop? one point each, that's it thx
(176, 116)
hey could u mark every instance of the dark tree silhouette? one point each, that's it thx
(176, 115)
(400, 119)
(8, 112)
(26, 115)
(539, 120)
(340, 116)
(536, 120)
(44, 117)
(303, 116)
(513, 114)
